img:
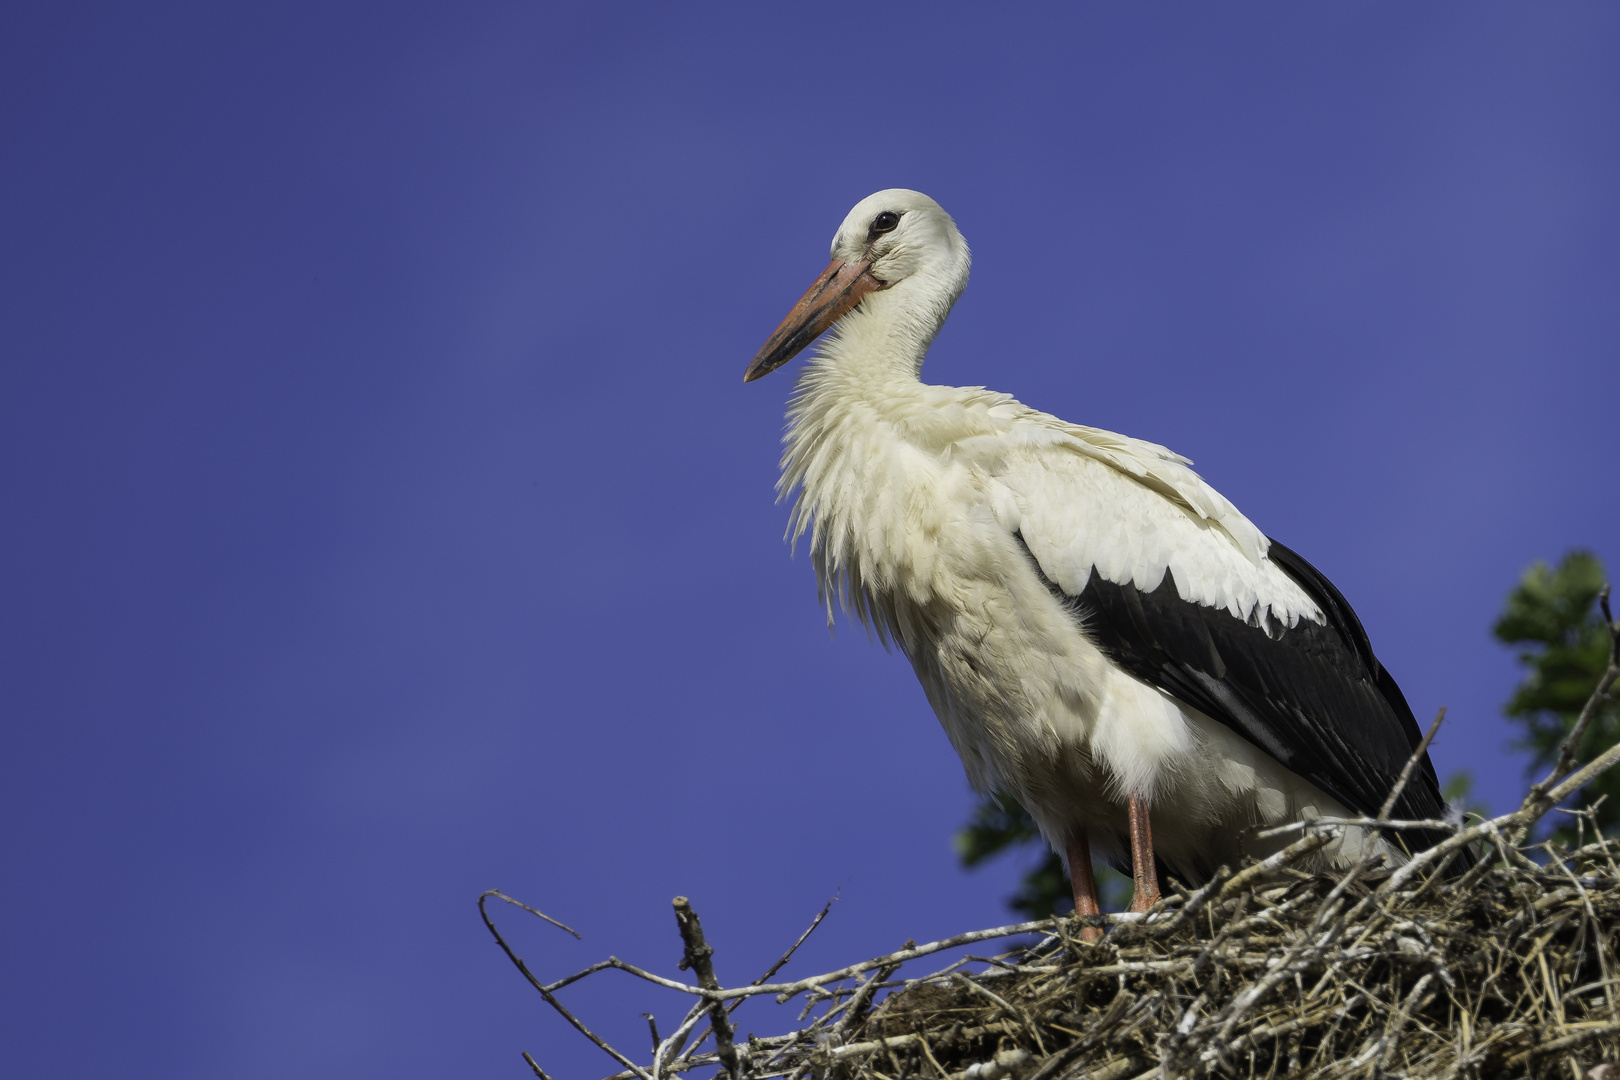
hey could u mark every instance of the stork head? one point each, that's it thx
(897, 258)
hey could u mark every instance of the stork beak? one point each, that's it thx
(839, 288)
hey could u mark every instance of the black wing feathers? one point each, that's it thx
(1342, 618)
(1312, 696)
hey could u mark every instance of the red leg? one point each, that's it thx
(1084, 882)
(1142, 868)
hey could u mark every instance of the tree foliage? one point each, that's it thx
(1552, 617)
(999, 824)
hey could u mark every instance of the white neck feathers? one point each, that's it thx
(859, 434)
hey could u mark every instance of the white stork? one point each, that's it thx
(1102, 635)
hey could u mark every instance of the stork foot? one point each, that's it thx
(1084, 882)
(1143, 871)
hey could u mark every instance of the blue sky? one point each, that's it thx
(386, 519)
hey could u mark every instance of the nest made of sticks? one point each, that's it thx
(1510, 970)
(1507, 969)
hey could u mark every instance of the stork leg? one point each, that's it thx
(1084, 882)
(1146, 876)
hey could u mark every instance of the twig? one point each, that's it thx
(1428, 824)
(1098, 1029)
(550, 999)
(787, 990)
(785, 957)
(1599, 695)
(1268, 866)
(497, 894)
(670, 1048)
(1390, 1040)
(774, 968)
(1513, 825)
(1411, 763)
(1012, 1011)
(857, 1005)
(697, 958)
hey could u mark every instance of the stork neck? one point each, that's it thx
(888, 335)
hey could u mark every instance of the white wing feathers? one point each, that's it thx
(1083, 498)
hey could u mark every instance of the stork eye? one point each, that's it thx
(884, 222)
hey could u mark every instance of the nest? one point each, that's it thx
(1510, 970)
(1480, 957)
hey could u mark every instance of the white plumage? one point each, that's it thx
(965, 527)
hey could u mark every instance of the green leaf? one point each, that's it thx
(998, 825)
(1552, 616)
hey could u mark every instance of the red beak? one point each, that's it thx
(836, 291)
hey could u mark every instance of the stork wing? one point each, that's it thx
(1265, 645)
